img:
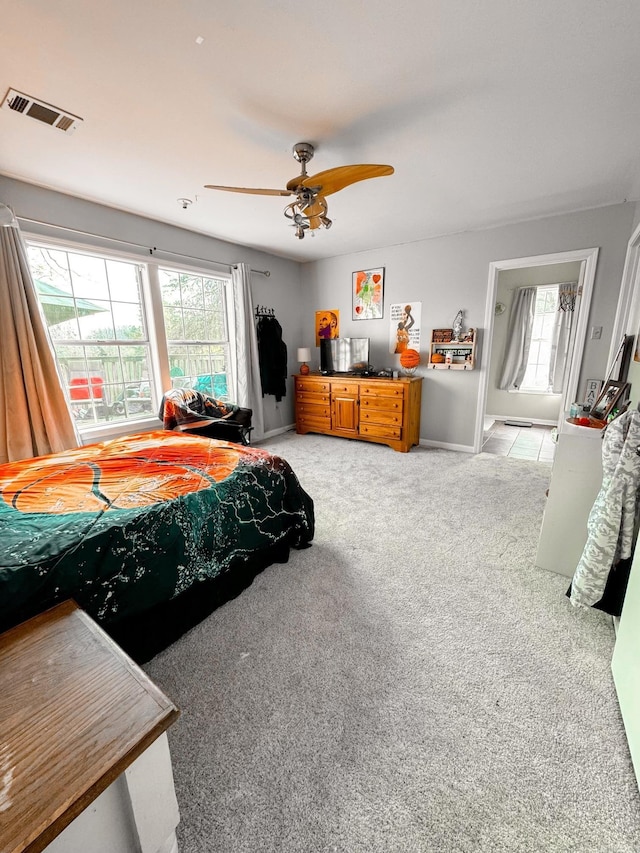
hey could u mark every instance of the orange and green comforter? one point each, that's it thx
(127, 524)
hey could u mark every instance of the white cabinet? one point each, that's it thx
(576, 478)
(137, 812)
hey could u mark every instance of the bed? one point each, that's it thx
(147, 533)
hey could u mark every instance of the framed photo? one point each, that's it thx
(327, 325)
(368, 294)
(610, 396)
(592, 392)
(405, 321)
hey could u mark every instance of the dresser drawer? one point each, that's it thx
(313, 410)
(380, 430)
(345, 388)
(385, 404)
(304, 397)
(304, 421)
(382, 389)
(312, 386)
(381, 416)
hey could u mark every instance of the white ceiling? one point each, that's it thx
(490, 110)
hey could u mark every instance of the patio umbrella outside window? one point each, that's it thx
(58, 306)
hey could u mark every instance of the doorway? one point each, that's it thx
(586, 260)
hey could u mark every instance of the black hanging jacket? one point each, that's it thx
(272, 354)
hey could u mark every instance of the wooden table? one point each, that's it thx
(81, 724)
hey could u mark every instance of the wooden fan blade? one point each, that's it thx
(332, 180)
(294, 183)
(247, 190)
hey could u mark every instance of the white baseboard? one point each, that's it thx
(425, 442)
(538, 421)
(445, 445)
(273, 432)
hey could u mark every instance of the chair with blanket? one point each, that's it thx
(185, 410)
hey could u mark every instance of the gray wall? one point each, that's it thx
(505, 403)
(445, 274)
(281, 291)
(449, 273)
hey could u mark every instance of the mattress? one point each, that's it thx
(124, 525)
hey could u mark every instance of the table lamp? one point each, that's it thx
(304, 355)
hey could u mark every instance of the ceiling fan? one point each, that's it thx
(309, 209)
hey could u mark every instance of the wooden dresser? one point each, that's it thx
(386, 411)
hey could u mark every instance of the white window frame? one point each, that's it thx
(153, 318)
(157, 316)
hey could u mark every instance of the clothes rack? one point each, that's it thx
(263, 311)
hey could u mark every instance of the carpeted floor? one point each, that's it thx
(411, 683)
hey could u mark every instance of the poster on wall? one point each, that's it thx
(327, 325)
(368, 294)
(404, 326)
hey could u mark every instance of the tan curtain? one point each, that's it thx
(34, 417)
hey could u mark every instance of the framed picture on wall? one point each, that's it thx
(367, 291)
(327, 324)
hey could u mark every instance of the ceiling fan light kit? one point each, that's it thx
(309, 210)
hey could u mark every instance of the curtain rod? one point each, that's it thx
(151, 250)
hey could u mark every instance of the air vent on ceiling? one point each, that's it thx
(25, 104)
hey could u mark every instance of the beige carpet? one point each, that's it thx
(411, 683)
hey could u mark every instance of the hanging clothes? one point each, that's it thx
(602, 573)
(272, 355)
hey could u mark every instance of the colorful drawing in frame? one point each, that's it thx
(368, 294)
(327, 325)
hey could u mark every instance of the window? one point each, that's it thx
(113, 366)
(536, 377)
(195, 323)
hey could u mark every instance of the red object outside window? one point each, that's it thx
(85, 389)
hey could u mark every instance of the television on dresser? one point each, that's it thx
(344, 355)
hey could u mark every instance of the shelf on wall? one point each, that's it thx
(462, 354)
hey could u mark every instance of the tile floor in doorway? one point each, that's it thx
(534, 442)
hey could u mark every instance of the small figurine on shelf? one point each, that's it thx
(457, 326)
(468, 336)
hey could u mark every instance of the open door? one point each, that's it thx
(589, 258)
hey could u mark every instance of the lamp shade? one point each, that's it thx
(304, 354)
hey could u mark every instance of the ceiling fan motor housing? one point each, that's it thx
(303, 152)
